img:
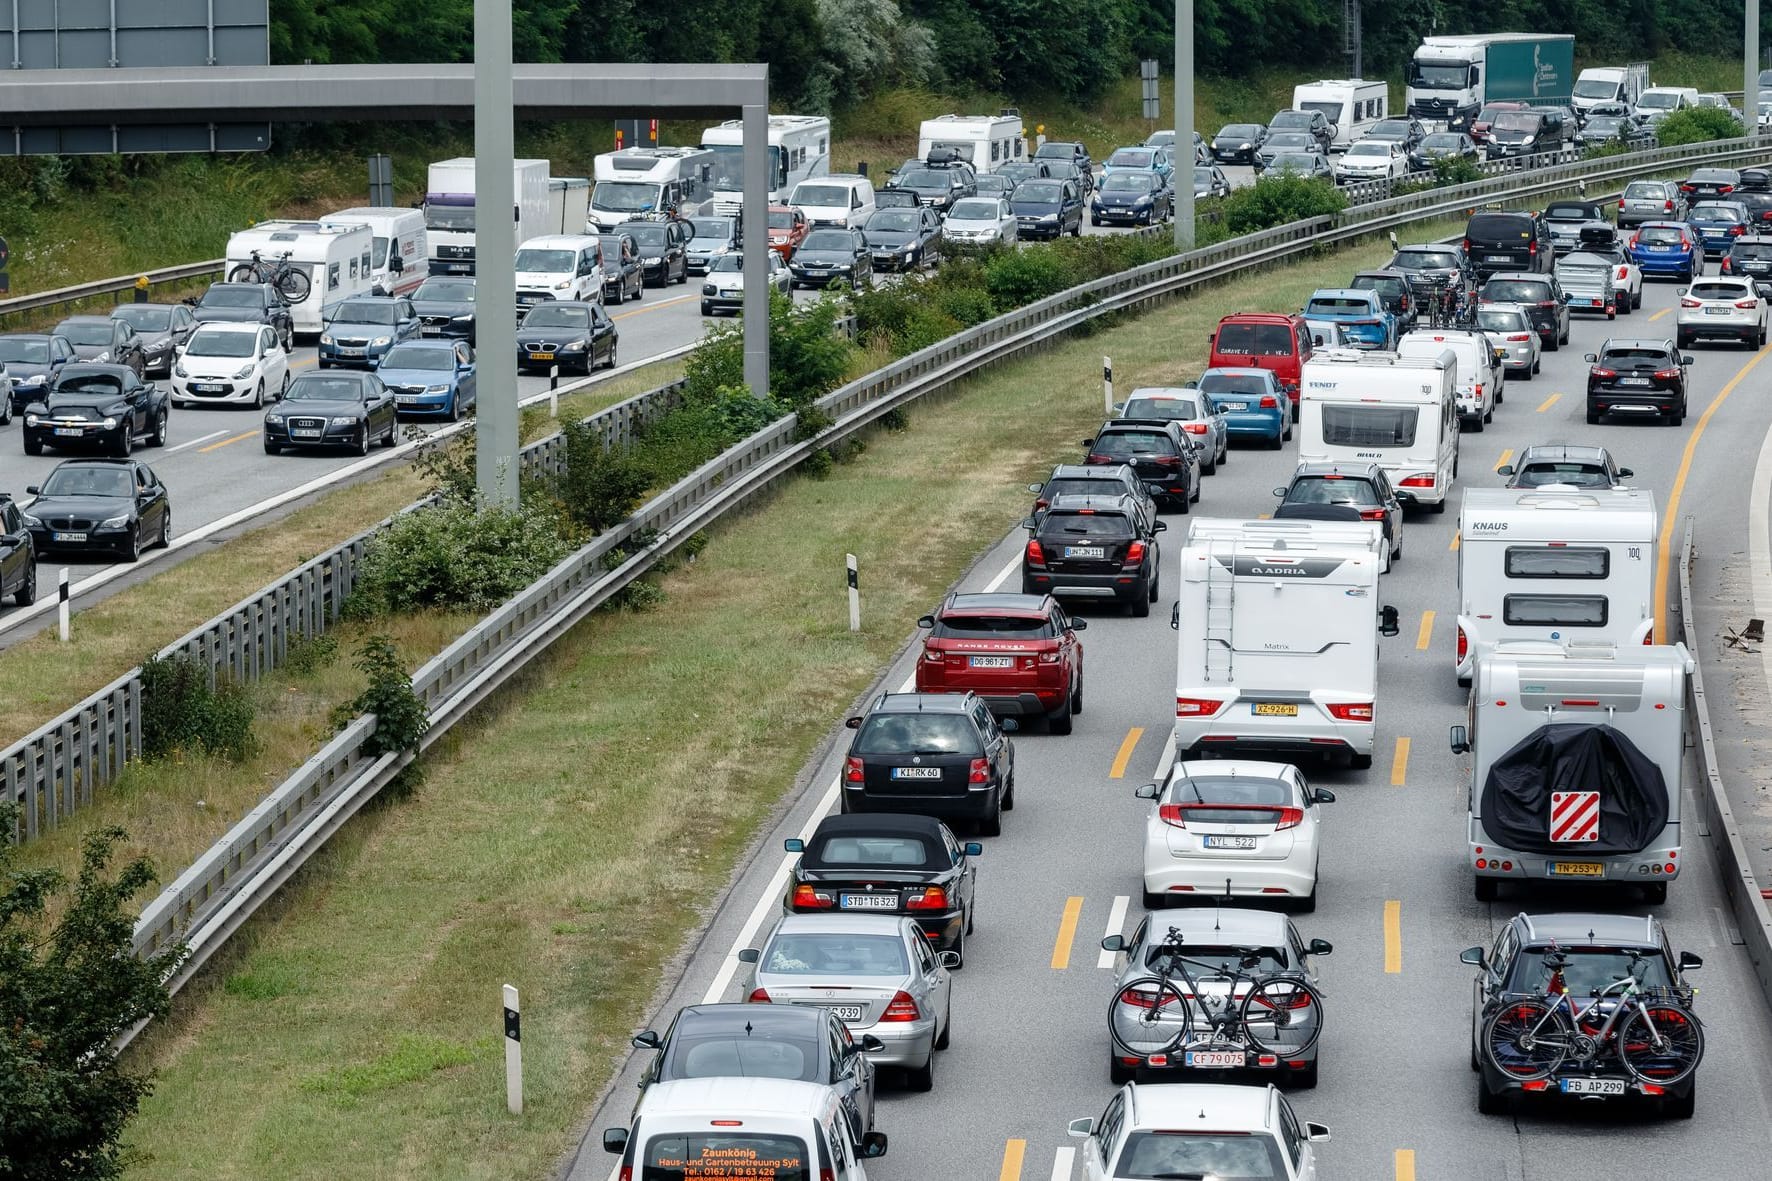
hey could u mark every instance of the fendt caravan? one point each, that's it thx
(1398, 412)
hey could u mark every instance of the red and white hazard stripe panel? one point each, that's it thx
(1575, 816)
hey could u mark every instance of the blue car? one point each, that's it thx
(1141, 158)
(1252, 402)
(1719, 224)
(360, 331)
(1668, 248)
(1360, 313)
(430, 378)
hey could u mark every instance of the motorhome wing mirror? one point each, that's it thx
(1461, 743)
(1175, 616)
(394, 263)
(1387, 621)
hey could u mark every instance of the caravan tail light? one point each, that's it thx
(1649, 637)
(1351, 711)
(1464, 645)
(1196, 707)
(1417, 481)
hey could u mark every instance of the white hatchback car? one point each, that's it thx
(979, 220)
(1235, 828)
(723, 288)
(230, 364)
(1198, 1130)
(1723, 307)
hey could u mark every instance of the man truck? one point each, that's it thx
(449, 210)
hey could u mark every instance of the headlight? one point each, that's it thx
(436, 389)
(39, 379)
(325, 338)
(563, 285)
(345, 420)
(1242, 147)
(708, 289)
(30, 420)
(244, 372)
(1530, 139)
(159, 346)
(381, 340)
(461, 319)
(273, 420)
(31, 522)
(577, 346)
(114, 522)
(1049, 217)
(109, 422)
(1141, 201)
(178, 370)
(102, 358)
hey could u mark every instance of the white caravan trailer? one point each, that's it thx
(1278, 625)
(400, 261)
(799, 148)
(1398, 412)
(987, 142)
(1576, 756)
(335, 258)
(1555, 564)
(634, 182)
(1353, 105)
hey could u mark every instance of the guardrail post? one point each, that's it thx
(61, 607)
(513, 1052)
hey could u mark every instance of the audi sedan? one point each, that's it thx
(349, 410)
(1719, 224)
(832, 254)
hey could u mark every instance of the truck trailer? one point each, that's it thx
(450, 213)
(1451, 78)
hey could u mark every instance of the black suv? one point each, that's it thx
(1361, 486)
(1094, 547)
(932, 754)
(1507, 241)
(1313, 123)
(18, 556)
(663, 245)
(1432, 267)
(938, 181)
(1637, 377)
(1750, 256)
(1394, 291)
(1591, 952)
(1164, 455)
(1541, 296)
(1081, 479)
(1709, 184)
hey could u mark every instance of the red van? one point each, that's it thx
(1276, 341)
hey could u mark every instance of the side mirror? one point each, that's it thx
(1316, 1133)
(871, 1044)
(1114, 943)
(1026, 523)
(1474, 957)
(1089, 442)
(1280, 492)
(1506, 469)
(1320, 947)
(1036, 489)
(973, 849)
(873, 1145)
(1591, 358)
(1460, 741)
(1393, 239)
(1387, 621)
(1160, 527)
(749, 955)
(646, 1039)
(948, 959)
(1681, 290)
(1684, 360)
(794, 845)
(1689, 962)
(926, 621)
(178, 350)
(1175, 616)
(32, 489)
(395, 265)
(1568, 297)
(1079, 625)
(1625, 473)
(852, 723)
(615, 1140)
(1322, 795)
(1146, 791)
(1083, 1128)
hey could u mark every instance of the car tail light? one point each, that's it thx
(852, 772)
(1351, 711)
(758, 996)
(1519, 337)
(1479, 389)
(1141, 998)
(1685, 242)
(1633, 239)
(1738, 229)
(1599, 372)
(1269, 402)
(1667, 206)
(1464, 645)
(932, 898)
(980, 772)
(811, 898)
(1172, 814)
(1289, 818)
(1299, 999)
(1685, 189)
(902, 1008)
(1051, 656)
(1686, 301)
(1747, 303)
(1095, 457)
(826, 1175)
(1135, 553)
(1194, 428)
(1371, 514)
(1413, 482)
(1621, 202)
(1668, 374)
(1725, 189)
(1196, 707)
(1623, 274)
(1040, 504)
(1035, 555)
(1467, 245)
(1533, 248)
(1649, 637)
(1166, 460)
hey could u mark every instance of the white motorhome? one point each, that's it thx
(559, 266)
(1277, 650)
(987, 142)
(569, 204)
(799, 149)
(1576, 759)
(337, 259)
(400, 261)
(1353, 105)
(1397, 412)
(1610, 84)
(637, 181)
(1559, 564)
(1480, 371)
(450, 214)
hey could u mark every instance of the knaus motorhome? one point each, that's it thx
(1397, 412)
(1278, 625)
(1576, 757)
(1555, 564)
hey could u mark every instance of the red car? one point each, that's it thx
(1018, 653)
(1275, 341)
(787, 229)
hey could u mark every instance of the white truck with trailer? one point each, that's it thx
(1609, 84)
(1398, 412)
(1277, 649)
(1557, 564)
(799, 149)
(335, 258)
(449, 210)
(987, 142)
(1451, 79)
(1352, 105)
(636, 182)
(1576, 753)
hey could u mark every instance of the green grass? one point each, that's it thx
(572, 834)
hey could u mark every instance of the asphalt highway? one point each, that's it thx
(1029, 1037)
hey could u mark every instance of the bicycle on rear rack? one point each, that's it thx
(284, 275)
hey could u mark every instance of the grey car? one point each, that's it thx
(162, 327)
(876, 972)
(1572, 464)
(1651, 200)
(1284, 143)
(1215, 936)
(1198, 415)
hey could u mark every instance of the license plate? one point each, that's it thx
(732, 292)
(1495, 258)
(991, 661)
(207, 387)
(868, 901)
(541, 356)
(847, 1012)
(405, 399)
(1578, 869)
(1592, 1086)
(1661, 249)
(1235, 405)
(1213, 1059)
(1274, 709)
(305, 433)
(72, 431)
(1716, 311)
(1222, 842)
(350, 352)
(1085, 551)
(916, 772)
(69, 537)
(1633, 381)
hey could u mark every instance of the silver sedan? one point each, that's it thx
(876, 972)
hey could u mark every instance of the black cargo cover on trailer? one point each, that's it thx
(1574, 756)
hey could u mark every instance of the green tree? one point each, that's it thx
(69, 986)
(1697, 125)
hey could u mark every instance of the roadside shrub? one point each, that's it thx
(1100, 255)
(449, 468)
(716, 362)
(400, 715)
(807, 355)
(1612, 147)
(1456, 170)
(964, 300)
(601, 486)
(453, 556)
(310, 654)
(1020, 277)
(1697, 125)
(181, 712)
(1276, 200)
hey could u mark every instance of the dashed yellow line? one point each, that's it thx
(252, 434)
(1393, 937)
(1400, 763)
(1067, 933)
(1118, 770)
(1405, 1164)
(1013, 1153)
(1658, 315)
(660, 303)
(1426, 633)
(1548, 403)
(1454, 545)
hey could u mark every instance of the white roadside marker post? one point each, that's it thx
(513, 1052)
(1107, 386)
(62, 606)
(854, 594)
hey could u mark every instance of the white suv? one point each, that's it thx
(1722, 307)
(1198, 1130)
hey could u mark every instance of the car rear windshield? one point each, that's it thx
(1425, 260)
(1368, 426)
(735, 1055)
(1569, 212)
(1721, 214)
(836, 953)
(1324, 304)
(905, 733)
(1729, 291)
(1234, 383)
(1660, 235)
(1516, 291)
(1589, 969)
(1501, 320)
(1256, 340)
(996, 627)
(1106, 526)
(1178, 409)
(1553, 610)
(708, 1157)
(1580, 475)
(1240, 1155)
(1383, 284)
(1646, 189)
(1624, 357)
(880, 849)
(1499, 228)
(1128, 444)
(1543, 561)
(1221, 956)
(234, 297)
(1752, 250)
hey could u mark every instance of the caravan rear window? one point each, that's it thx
(1554, 610)
(751, 1156)
(1559, 562)
(1369, 426)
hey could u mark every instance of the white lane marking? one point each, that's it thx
(1166, 760)
(1003, 574)
(1062, 1161)
(1116, 920)
(194, 442)
(1760, 545)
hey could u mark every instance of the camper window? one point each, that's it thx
(1369, 426)
(1562, 562)
(332, 277)
(1554, 610)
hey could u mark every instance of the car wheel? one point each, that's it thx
(1552, 345)
(1489, 414)
(610, 364)
(132, 550)
(1490, 1102)
(1095, 221)
(1360, 762)
(1438, 507)
(1486, 889)
(1685, 1105)
(1679, 417)
(1009, 795)
(1119, 1073)
(1684, 342)
(1655, 893)
(165, 539)
(1307, 904)
(1076, 697)
(991, 825)
(922, 1078)
(1058, 722)
(283, 390)
(6, 411)
(1141, 601)
(1302, 1080)
(1153, 901)
(1279, 440)
(1187, 504)
(393, 436)
(26, 594)
(1209, 469)
(362, 444)
(1473, 424)
(707, 309)
(258, 396)
(1524, 374)
(1224, 450)
(1028, 588)
(125, 438)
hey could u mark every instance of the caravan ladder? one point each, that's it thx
(1221, 594)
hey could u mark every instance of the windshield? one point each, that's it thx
(208, 342)
(715, 227)
(552, 315)
(91, 333)
(449, 217)
(101, 384)
(1389, 129)
(1605, 125)
(734, 263)
(1174, 408)
(88, 481)
(838, 953)
(234, 297)
(920, 178)
(1241, 1156)
(709, 1157)
(1055, 150)
(408, 356)
(364, 312)
(379, 246)
(1289, 141)
(1016, 627)
(1441, 139)
(553, 262)
(838, 240)
(313, 387)
(1240, 131)
(23, 352)
(1039, 192)
(446, 290)
(1370, 148)
(729, 167)
(1132, 158)
(1516, 291)
(1516, 121)
(781, 219)
(1489, 113)
(905, 733)
(1296, 161)
(892, 219)
(144, 317)
(1438, 75)
(1262, 340)
(1662, 101)
(1138, 182)
(1356, 426)
(824, 195)
(1596, 88)
(1291, 119)
(624, 196)
(973, 209)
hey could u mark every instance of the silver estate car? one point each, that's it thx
(874, 971)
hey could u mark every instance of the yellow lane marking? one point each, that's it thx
(663, 303)
(1400, 763)
(1393, 937)
(1671, 514)
(303, 363)
(1264, 516)
(1658, 315)
(1405, 1164)
(1505, 456)
(1013, 1152)
(1067, 932)
(1427, 631)
(1549, 402)
(252, 434)
(1118, 770)
(1454, 545)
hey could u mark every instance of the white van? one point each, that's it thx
(1665, 100)
(1560, 564)
(337, 259)
(773, 1129)
(1353, 105)
(840, 199)
(559, 266)
(1480, 373)
(1398, 412)
(400, 261)
(987, 142)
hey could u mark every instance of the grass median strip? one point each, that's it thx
(570, 836)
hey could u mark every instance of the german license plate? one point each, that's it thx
(916, 772)
(1085, 551)
(69, 431)
(847, 1012)
(1716, 311)
(1661, 249)
(541, 356)
(305, 433)
(1274, 709)
(991, 661)
(1633, 381)
(1578, 869)
(1214, 841)
(350, 352)
(1213, 1059)
(207, 387)
(68, 537)
(1495, 258)
(732, 293)
(1235, 405)
(867, 901)
(405, 399)
(1592, 1086)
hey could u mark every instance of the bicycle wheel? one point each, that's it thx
(1526, 1039)
(1660, 1043)
(1149, 1016)
(246, 272)
(1283, 1016)
(294, 284)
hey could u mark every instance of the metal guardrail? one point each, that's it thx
(182, 273)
